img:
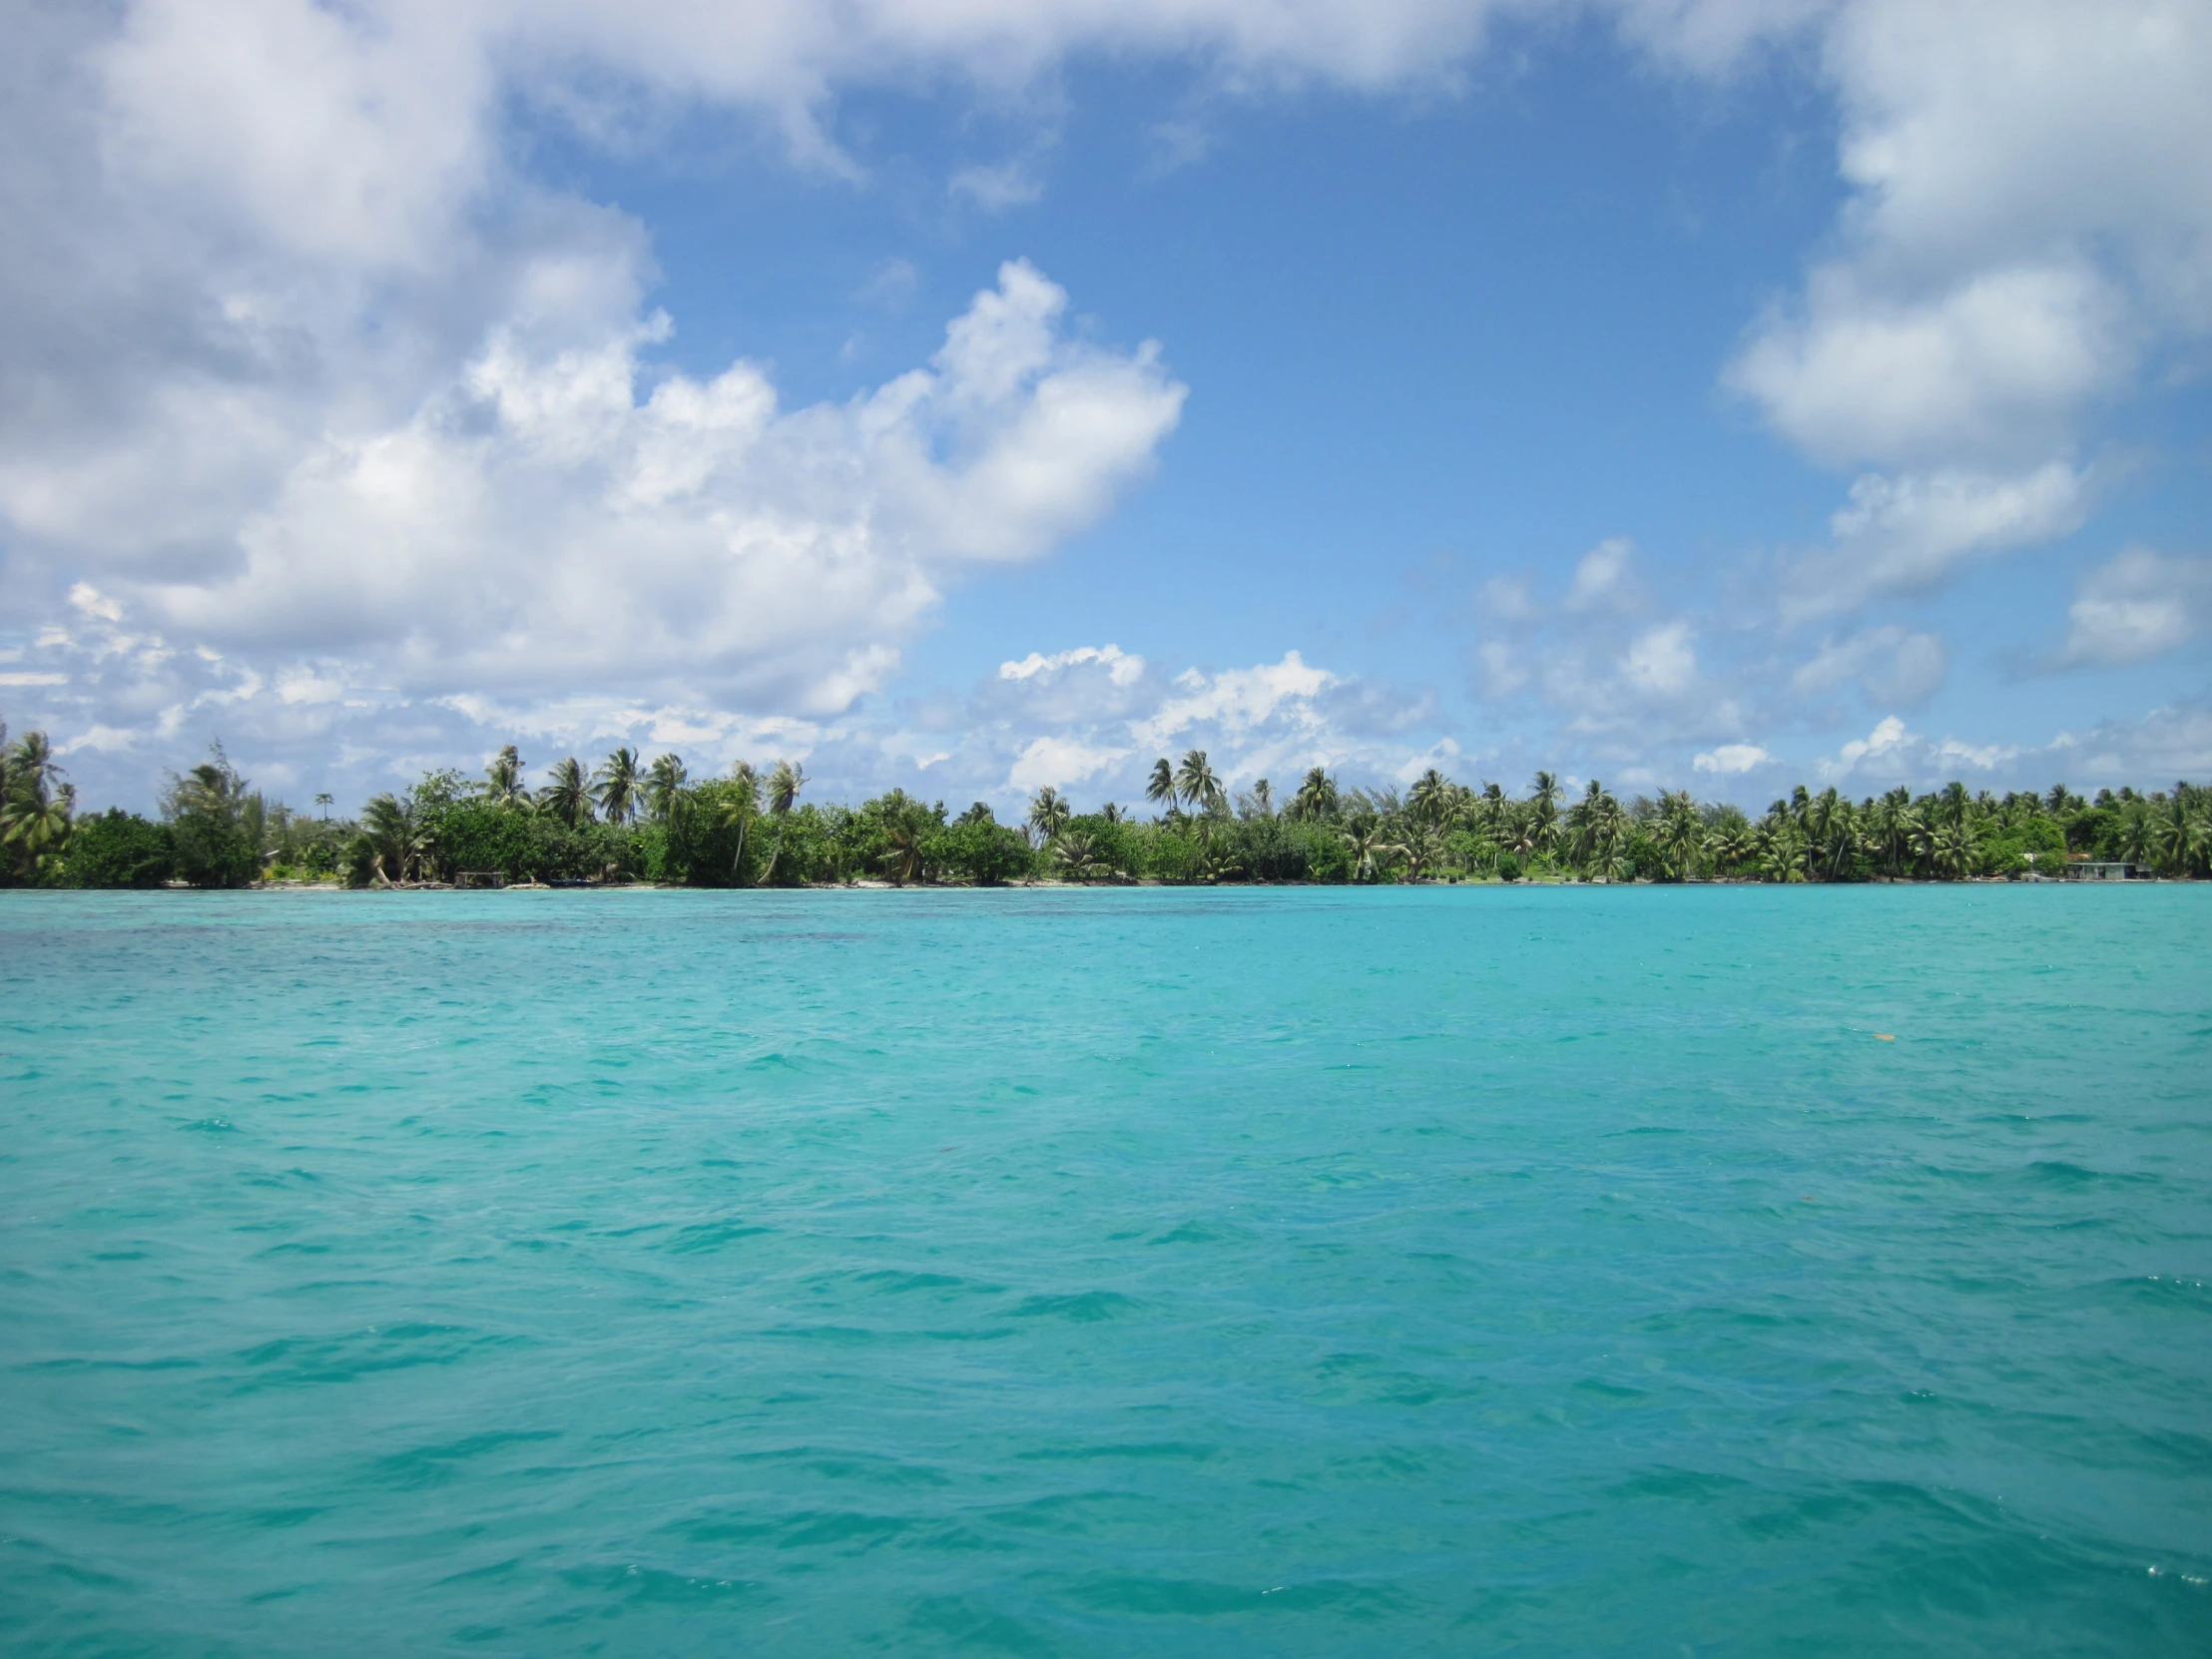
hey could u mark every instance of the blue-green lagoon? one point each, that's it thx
(1410, 1270)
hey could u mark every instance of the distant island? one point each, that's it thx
(632, 821)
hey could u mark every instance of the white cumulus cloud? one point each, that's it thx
(1732, 759)
(2140, 605)
(1909, 532)
(1893, 663)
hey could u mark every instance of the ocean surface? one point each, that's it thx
(1440, 1271)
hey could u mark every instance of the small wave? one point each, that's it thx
(1085, 1309)
(709, 1235)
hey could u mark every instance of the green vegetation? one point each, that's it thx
(630, 821)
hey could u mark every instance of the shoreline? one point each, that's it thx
(1145, 883)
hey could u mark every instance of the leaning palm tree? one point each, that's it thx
(783, 785)
(615, 785)
(393, 840)
(31, 772)
(664, 783)
(1196, 781)
(739, 805)
(568, 797)
(1423, 848)
(1160, 787)
(904, 859)
(1048, 813)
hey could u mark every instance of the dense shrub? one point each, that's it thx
(211, 849)
(985, 853)
(117, 849)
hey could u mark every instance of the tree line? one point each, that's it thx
(628, 821)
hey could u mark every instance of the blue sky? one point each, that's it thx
(1704, 393)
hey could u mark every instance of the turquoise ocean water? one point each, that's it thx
(1398, 1272)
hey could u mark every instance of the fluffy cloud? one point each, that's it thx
(2029, 224)
(1891, 754)
(1992, 367)
(2029, 212)
(1662, 660)
(540, 523)
(1732, 759)
(1893, 665)
(1097, 717)
(1906, 533)
(2140, 605)
(1601, 577)
(1621, 672)
(1122, 667)
(2172, 741)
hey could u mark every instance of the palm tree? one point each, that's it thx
(1893, 830)
(615, 785)
(2182, 838)
(1217, 858)
(1263, 799)
(1431, 797)
(326, 801)
(34, 804)
(1048, 813)
(740, 806)
(904, 859)
(1540, 819)
(1953, 804)
(1196, 783)
(1730, 845)
(35, 833)
(2138, 833)
(1315, 796)
(1077, 856)
(1781, 849)
(1831, 830)
(1953, 852)
(393, 841)
(568, 797)
(783, 785)
(1679, 835)
(502, 780)
(1369, 845)
(1423, 847)
(664, 783)
(1160, 787)
(1594, 824)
